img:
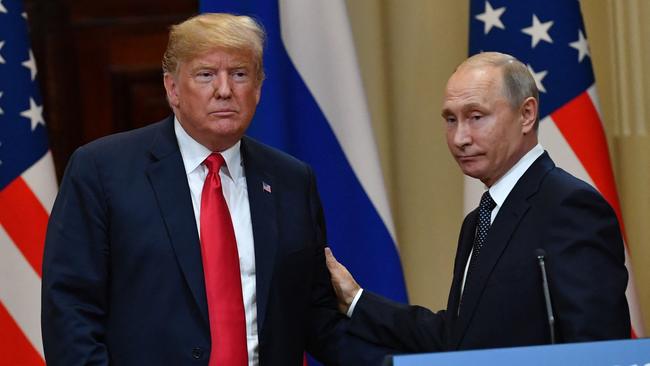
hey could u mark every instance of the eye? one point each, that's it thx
(476, 117)
(450, 119)
(240, 75)
(204, 76)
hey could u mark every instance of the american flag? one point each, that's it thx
(27, 191)
(549, 37)
(266, 187)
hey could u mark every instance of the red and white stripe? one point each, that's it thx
(574, 137)
(25, 206)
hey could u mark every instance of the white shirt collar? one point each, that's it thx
(501, 189)
(194, 153)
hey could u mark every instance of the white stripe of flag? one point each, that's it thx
(307, 29)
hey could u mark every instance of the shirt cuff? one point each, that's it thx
(354, 303)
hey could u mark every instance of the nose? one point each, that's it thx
(461, 135)
(222, 88)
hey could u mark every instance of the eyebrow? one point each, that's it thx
(472, 106)
(202, 66)
(465, 107)
(234, 63)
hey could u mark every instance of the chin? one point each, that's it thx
(469, 169)
(473, 173)
(227, 131)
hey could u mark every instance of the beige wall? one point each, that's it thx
(408, 48)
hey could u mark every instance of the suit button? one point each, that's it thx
(197, 353)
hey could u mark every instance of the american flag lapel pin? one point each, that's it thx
(266, 187)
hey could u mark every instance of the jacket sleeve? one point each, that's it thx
(75, 269)
(402, 327)
(324, 328)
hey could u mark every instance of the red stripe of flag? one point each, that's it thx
(15, 348)
(580, 124)
(25, 220)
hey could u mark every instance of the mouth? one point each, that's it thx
(223, 113)
(467, 158)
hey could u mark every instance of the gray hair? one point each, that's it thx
(518, 83)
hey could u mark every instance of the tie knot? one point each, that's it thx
(487, 203)
(214, 162)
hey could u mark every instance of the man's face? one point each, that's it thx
(214, 96)
(484, 133)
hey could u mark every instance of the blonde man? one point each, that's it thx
(185, 242)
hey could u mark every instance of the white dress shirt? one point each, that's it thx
(501, 189)
(235, 191)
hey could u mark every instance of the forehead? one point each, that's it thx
(474, 77)
(473, 84)
(221, 57)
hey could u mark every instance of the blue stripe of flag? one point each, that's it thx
(20, 147)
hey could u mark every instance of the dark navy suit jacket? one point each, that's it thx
(503, 304)
(122, 271)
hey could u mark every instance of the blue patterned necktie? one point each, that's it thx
(484, 215)
(482, 228)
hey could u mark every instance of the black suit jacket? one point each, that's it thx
(122, 271)
(503, 303)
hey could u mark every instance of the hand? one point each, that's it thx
(345, 286)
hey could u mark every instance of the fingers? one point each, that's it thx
(343, 283)
(328, 254)
(330, 260)
(338, 272)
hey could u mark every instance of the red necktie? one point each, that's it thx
(221, 270)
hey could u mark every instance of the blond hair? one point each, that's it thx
(203, 33)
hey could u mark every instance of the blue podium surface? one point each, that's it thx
(634, 352)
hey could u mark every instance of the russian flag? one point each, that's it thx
(313, 107)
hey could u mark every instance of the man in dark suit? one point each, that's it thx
(140, 268)
(496, 298)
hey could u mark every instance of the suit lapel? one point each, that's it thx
(465, 244)
(505, 224)
(264, 222)
(169, 183)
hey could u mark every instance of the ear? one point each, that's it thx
(529, 111)
(258, 92)
(171, 88)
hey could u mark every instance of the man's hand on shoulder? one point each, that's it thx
(345, 286)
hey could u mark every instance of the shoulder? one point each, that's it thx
(544, 179)
(122, 142)
(563, 192)
(547, 188)
(261, 156)
(121, 151)
(562, 183)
